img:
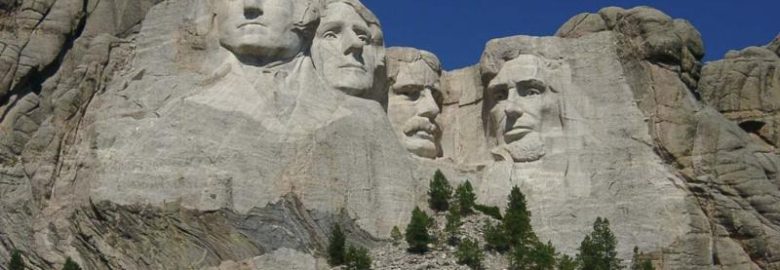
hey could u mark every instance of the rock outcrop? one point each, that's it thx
(745, 87)
(154, 134)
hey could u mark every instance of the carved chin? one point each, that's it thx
(422, 148)
(529, 148)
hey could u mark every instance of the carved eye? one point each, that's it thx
(529, 91)
(412, 92)
(363, 36)
(499, 92)
(329, 35)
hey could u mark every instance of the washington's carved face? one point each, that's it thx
(258, 29)
(412, 108)
(342, 50)
(516, 97)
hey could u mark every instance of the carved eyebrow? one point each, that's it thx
(328, 26)
(406, 87)
(532, 83)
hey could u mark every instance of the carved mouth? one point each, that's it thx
(423, 132)
(516, 133)
(353, 66)
(251, 24)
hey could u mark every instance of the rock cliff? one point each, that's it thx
(205, 134)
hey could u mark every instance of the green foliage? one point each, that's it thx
(495, 239)
(336, 246)
(566, 262)
(16, 263)
(640, 262)
(598, 249)
(464, 194)
(357, 258)
(439, 193)
(452, 228)
(470, 254)
(536, 256)
(71, 265)
(417, 235)
(491, 211)
(517, 220)
(396, 235)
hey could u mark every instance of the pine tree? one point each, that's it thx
(536, 256)
(396, 235)
(598, 249)
(466, 198)
(566, 262)
(439, 193)
(336, 246)
(417, 235)
(470, 254)
(491, 211)
(517, 220)
(16, 263)
(639, 262)
(357, 258)
(71, 265)
(495, 239)
(452, 228)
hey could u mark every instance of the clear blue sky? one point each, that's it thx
(456, 30)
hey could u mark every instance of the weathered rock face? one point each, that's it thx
(745, 87)
(172, 134)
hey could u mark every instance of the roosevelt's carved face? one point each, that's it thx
(342, 50)
(515, 95)
(412, 108)
(258, 30)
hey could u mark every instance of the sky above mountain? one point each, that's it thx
(457, 30)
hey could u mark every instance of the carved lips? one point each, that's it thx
(517, 132)
(421, 128)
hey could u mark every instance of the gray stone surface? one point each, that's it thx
(148, 134)
(745, 87)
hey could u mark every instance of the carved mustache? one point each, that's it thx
(417, 123)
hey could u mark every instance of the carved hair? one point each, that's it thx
(398, 55)
(201, 20)
(377, 37)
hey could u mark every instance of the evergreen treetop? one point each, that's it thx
(517, 220)
(598, 249)
(71, 265)
(417, 235)
(464, 194)
(357, 258)
(439, 192)
(16, 263)
(336, 246)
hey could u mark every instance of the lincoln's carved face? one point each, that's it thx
(259, 30)
(515, 95)
(343, 51)
(412, 107)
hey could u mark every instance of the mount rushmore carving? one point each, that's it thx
(190, 134)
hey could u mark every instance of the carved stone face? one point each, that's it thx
(260, 30)
(516, 97)
(412, 107)
(342, 50)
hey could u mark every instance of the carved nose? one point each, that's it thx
(427, 106)
(351, 43)
(513, 111)
(253, 9)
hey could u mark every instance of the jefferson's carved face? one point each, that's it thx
(342, 50)
(516, 97)
(412, 108)
(258, 29)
